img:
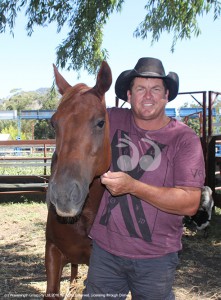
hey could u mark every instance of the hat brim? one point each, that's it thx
(123, 82)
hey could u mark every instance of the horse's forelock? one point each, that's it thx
(79, 88)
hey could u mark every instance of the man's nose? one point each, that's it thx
(148, 93)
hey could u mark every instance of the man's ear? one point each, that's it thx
(128, 96)
(167, 95)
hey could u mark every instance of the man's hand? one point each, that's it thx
(117, 183)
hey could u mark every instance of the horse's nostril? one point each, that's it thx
(75, 192)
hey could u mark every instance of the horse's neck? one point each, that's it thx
(95, 194)
(92, 204)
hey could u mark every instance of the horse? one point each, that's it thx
(82, 154)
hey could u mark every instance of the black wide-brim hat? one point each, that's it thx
(147, 67)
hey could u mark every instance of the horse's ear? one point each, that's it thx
(104, 79)
(61, 83)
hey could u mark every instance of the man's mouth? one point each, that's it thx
(148, 104)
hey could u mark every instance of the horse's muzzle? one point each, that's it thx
(68, 199)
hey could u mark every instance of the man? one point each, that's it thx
(155, 178)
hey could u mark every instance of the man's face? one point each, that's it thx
(148, 98)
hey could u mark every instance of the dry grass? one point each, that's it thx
(22, 242)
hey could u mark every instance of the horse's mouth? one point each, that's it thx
(64, 220)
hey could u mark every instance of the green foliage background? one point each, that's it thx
(30, 129)
(85, 19)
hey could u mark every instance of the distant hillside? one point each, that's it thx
(30, 100)
(42, 91)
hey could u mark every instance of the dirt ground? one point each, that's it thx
(22, 242)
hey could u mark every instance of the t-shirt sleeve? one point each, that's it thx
(189, 165)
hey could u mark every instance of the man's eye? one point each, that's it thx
(140, 89)
(157, 89)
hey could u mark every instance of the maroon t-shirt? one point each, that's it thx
(171, 156)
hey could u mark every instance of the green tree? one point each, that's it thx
(194, 120)
(22, 101)
(41, 99)
(51, 99)
(13, 131)
(82, 48)
(43, 130)
(194, 123)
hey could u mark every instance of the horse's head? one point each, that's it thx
(82, 142)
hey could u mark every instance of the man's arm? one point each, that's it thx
(176, 200)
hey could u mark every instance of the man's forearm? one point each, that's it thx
(175, 200)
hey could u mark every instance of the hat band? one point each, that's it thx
(149, 74)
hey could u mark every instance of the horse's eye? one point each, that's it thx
(100, 124)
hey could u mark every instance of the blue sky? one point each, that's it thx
(26, 62)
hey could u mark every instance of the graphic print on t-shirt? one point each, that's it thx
(127, 159)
